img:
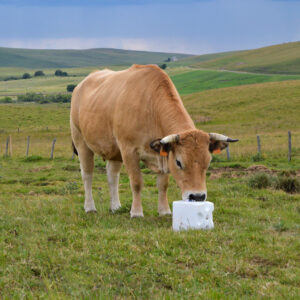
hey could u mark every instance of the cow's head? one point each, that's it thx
(189, 155)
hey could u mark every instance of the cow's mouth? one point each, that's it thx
(197, 197)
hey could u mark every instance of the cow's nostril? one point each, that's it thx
(197, 197)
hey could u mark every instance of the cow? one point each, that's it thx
(137, 115)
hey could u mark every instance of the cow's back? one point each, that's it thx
(113, 109)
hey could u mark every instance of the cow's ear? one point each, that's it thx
(162, 149)
(216, 147)
(156, 145)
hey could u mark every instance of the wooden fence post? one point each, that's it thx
(52, 148)
(228, 153)
(27, 149)
(6, 148)
(258, 145)
(10, 145)
(290, 146)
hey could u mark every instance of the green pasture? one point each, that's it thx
(277, 59)
(269, 110)
(50, 248)
(186, 80)
(201, 80)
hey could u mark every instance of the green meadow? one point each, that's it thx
(277, 59)
(51, 249)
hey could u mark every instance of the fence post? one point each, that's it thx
(52, 148)
(27, 149)
(228, 153)
(10, 145)
(6, 148)
(258, 145)
(290, 146)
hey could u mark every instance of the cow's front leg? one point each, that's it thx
(131, 162)
(163, 204)
(113, 173)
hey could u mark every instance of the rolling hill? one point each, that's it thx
(277, 59)
(32, 58)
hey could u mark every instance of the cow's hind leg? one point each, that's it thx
(113, 174)
(86, 158)
(162, 185)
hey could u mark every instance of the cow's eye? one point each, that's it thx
(178, 163)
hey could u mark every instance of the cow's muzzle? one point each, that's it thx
(197, 197)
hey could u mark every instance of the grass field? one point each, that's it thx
(49, 248)
(186, 80)
(277, 59)
(269, 110)
(201, 80)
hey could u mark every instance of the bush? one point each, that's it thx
(60, 73)
(6, 100)
(260, 181)
(163, 66)
(288, 184)
(60, 98)
(217, 158)
(26, 76)
(39, 73)
(32, 158)
(31, 97)
(10, 78)
(43, 99)
(71, 87)
(257, 157)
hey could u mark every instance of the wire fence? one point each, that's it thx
(51, 146)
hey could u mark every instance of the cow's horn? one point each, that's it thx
(221, 137)
(170, 139)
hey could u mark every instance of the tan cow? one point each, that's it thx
(134, 115)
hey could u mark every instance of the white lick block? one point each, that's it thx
(192, 215)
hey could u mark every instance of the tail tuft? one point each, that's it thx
(74, 149)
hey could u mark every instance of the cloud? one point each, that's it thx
(142, 44)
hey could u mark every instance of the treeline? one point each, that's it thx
(43, 99)
(36, 74)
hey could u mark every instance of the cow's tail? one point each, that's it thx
(74, 148)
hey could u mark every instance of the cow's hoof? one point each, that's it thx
(166, 212)
(90, 210)
(115, 209)
(136, 214)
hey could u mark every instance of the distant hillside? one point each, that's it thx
(278, 59)
(201, 80)
(192, 61)
(32, 58)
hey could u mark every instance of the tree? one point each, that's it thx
(39, 73)
(26, 76)
(60, 73)
(71, 87)
(163, 66)
(6, 100)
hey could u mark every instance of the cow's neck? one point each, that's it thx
(175, 119)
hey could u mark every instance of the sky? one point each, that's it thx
(186, 26)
